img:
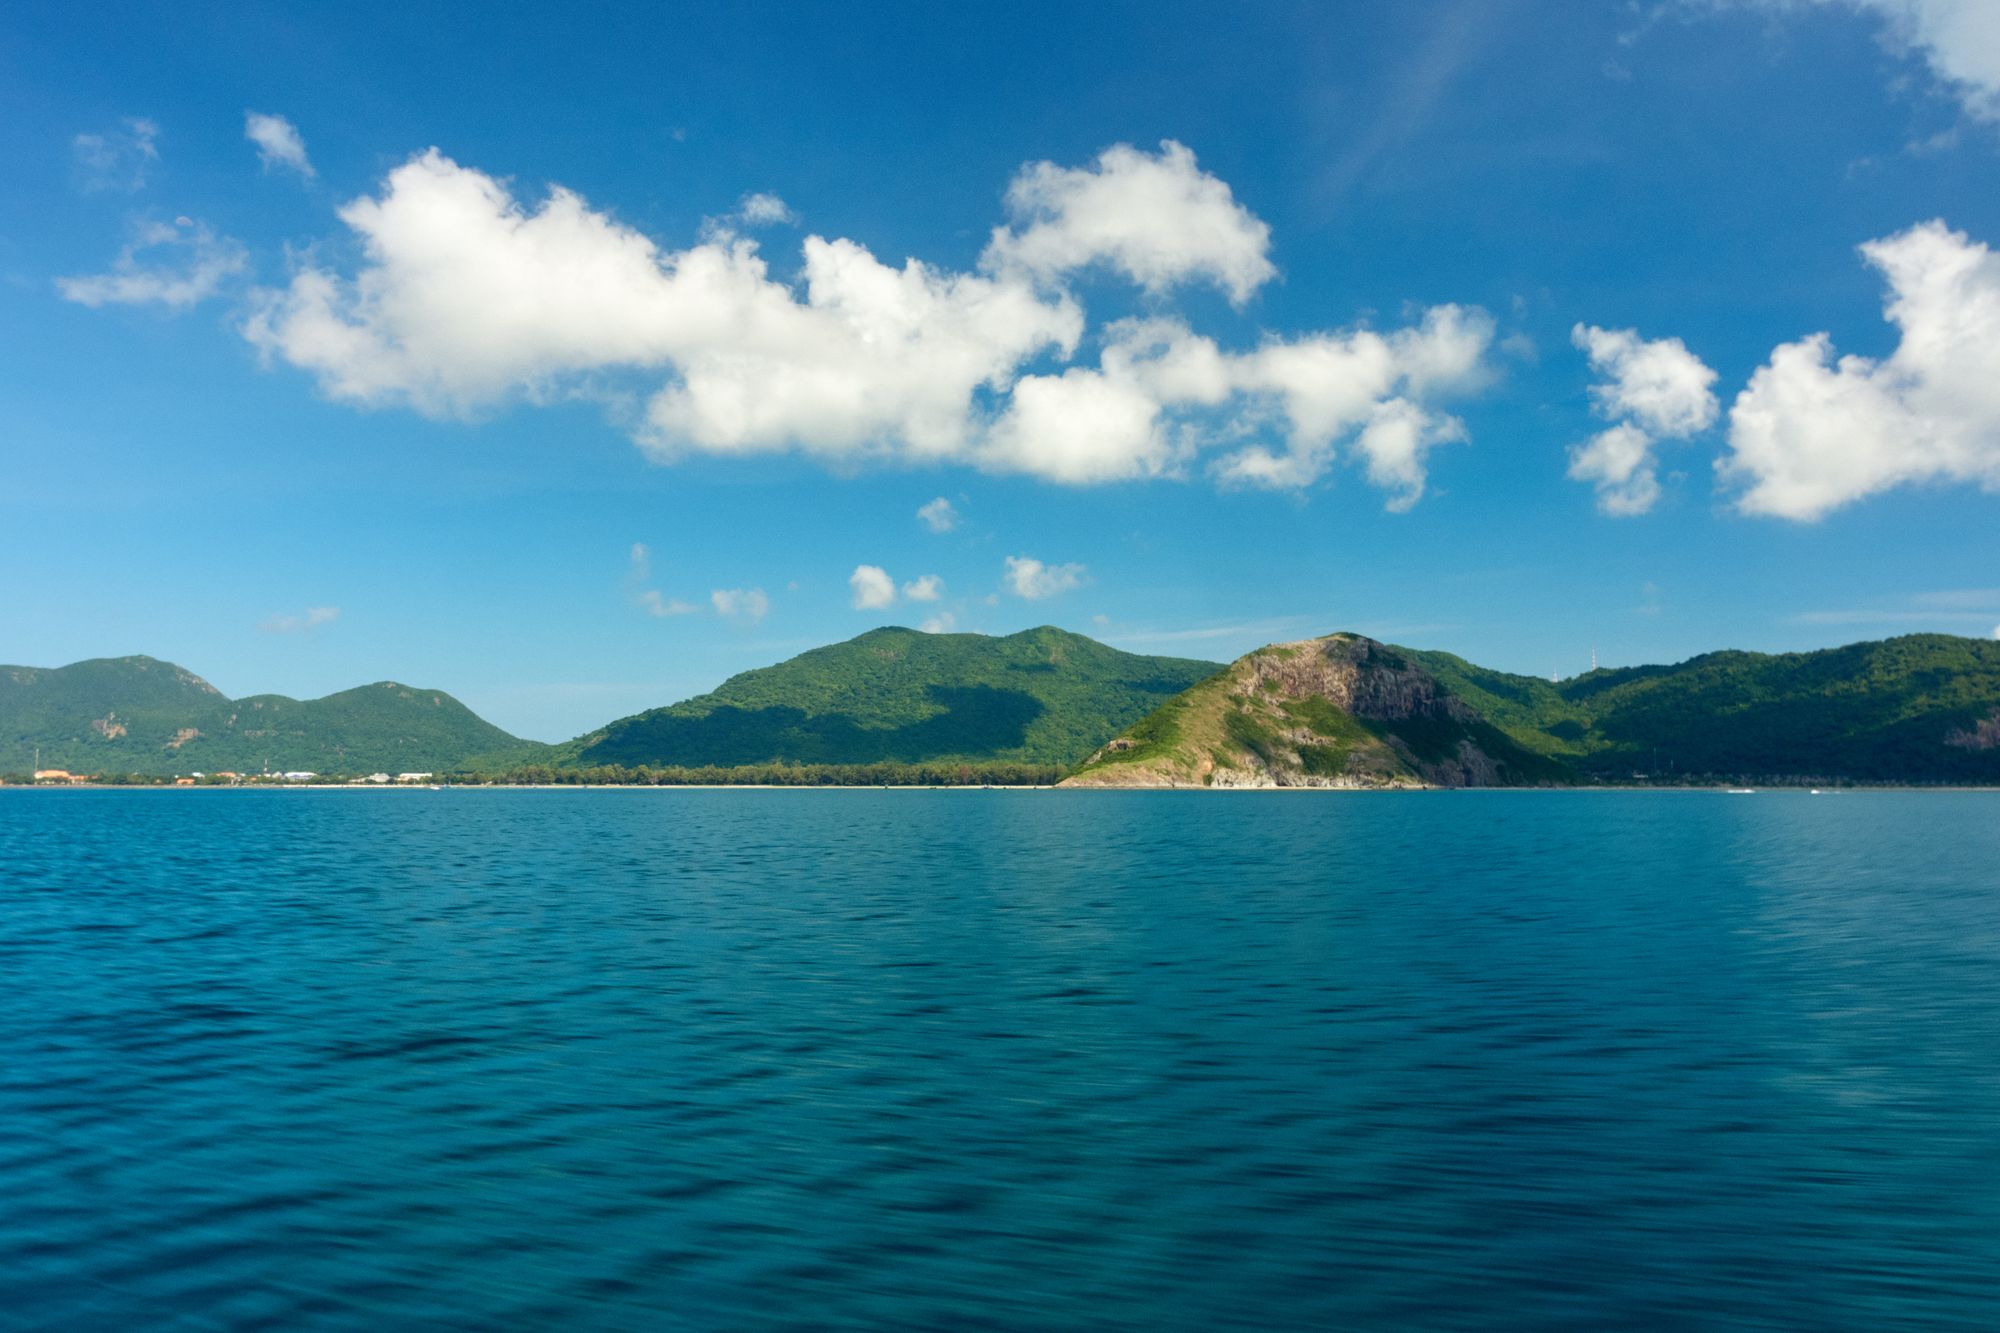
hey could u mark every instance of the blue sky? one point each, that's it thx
(1431, 320)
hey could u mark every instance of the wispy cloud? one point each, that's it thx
(638, 574)
(748, 605)
(118, 160)
(310, 619)
(136, 277)
(938, 515)
(1939, 608)
(278, 143)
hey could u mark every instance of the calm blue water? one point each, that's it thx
(961, 1060)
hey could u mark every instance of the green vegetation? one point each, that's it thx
(895, 707)
(772, 775)
(1338, 711)
(1907, 709)
(140, 716)
(1041, 697)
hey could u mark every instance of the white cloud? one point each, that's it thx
(927, 588)
(941, 623)
(651, 600)
(311, 619)
(207, 261)
(1162, 394)
(1651, 390)
(873, 588)
(120, 159)
(468, 299)
(278, 142)
(1659, 385)
(1958, 39)
(1157, 218)
(1619, 461)
(938, 515)
(749, 604)
(1810, 434)
(658, 604)
(1029, 578)
(1393, 445)
(764, 210)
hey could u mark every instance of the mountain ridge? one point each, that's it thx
(893, 694)
(143, 716)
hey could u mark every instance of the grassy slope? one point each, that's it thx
(1226, 729)
(1040, 696)
(1869, 711)
(133, 715)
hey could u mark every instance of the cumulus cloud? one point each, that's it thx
(938, 515)
(652, 601)
(745, 604)
(944, 622)
(927, 588)
(468, 299)
(872, 587)
(1161, 394)
(1651, 391)
(119, 159)
(1029, 578)
(177, 265)
(1157, 218)
(278, 142)
(1810, 433)
(310, 619)
(1620, 463)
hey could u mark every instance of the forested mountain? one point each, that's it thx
(1920, 708)
(143, 716)
(897, 695)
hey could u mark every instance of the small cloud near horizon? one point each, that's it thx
(1030, 579)
(311, 619)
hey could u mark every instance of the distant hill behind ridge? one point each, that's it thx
(1917, 708)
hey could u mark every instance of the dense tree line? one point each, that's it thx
(944, 774)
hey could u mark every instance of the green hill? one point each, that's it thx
(1920, 708)
(1342, 711)
(144, 716)
(896, 695)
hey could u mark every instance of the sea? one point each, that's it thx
(678, 1059)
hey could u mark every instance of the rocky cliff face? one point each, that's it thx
(1342, 711)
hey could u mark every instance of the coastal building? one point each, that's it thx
(414, 777)
(376, 777)
(59, 775)
(299, 777)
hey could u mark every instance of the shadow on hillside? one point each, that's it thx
(976, 720)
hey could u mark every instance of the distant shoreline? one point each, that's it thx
(1719, 789)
